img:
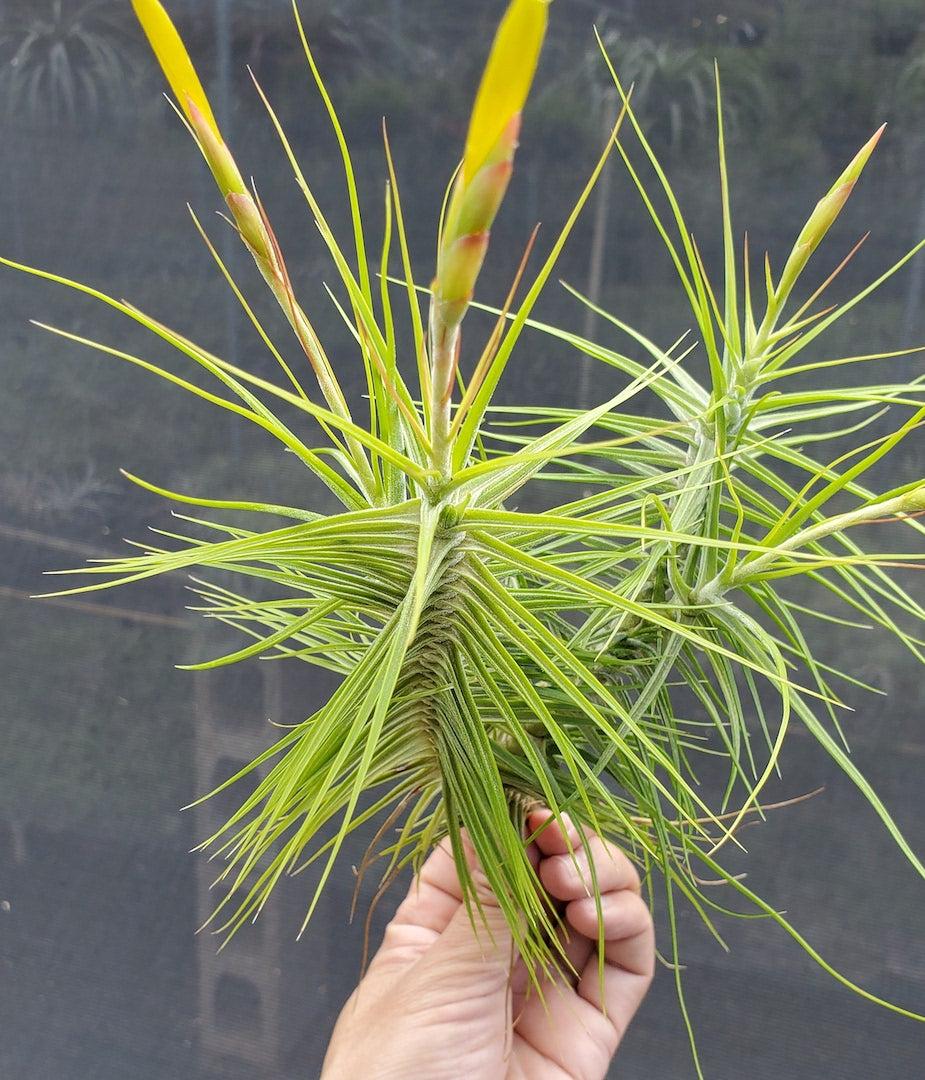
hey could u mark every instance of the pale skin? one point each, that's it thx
(442, 999)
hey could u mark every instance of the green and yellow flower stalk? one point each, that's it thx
(245, 212)
(489, 156)
(478, 190)
(490, 656)
(181, 75)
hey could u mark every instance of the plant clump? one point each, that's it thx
(583, 656)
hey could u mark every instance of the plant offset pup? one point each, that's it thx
(493, 658)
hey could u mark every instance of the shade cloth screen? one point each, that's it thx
(102, 973)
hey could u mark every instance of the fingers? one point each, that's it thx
(629, 938)
(622, 920)
(422, 917)
(598, 1007)
(451, 955)
(590, 1017)
(565, 869)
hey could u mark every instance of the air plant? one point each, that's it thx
(493, 658)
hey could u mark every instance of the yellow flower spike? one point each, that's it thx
(490, 144)
(479, 187)
(174, 59)
(506, 80)
(178, 68)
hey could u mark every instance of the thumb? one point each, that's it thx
(477, 940)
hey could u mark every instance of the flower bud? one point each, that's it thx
(177, 66)
(218, 156)
(251, 226)
(914, 501)
(823, 216)
(473, 208)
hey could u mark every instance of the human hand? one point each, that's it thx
(442, 999)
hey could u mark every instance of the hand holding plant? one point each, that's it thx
(494, 659)
(442, 998)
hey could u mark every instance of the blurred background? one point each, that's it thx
(102, 975)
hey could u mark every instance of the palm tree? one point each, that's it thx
(65, 66)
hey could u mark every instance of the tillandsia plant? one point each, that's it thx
(581, 657)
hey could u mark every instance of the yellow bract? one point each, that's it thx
(506, 80)
(173, 58)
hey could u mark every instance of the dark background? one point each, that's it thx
(101, 974)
